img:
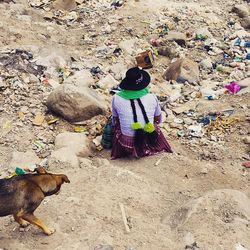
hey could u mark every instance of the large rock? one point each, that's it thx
(178, 37)
(63, 158)
(243, 11)
(26, 159)
(204, 31)
(185, 107)
(67, 5)
(82, 78)
(206, 63)
(75, 103)
(76, 142)
(183, 70)
(119, 70)
(56, 58)
(108, 82)
(244, 91)
(168, 51)
(221, 214)
(245, 82)
(128, 46)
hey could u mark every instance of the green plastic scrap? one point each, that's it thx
(19, 171)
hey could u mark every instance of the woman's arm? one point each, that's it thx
(157, 119)
(157, 115)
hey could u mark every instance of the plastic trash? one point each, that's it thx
(19, 171)
(195, 130)
(242, 43)
(212, 97)
(181, 133)
(233, 87)
(201, 37)
(246, 164)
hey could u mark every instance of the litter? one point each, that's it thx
(195, 130)
(80, 129)
(39, 144)
(233, 87)
(201, 37)
(246, 164)
(124, 218)
(52, 121)
(19, 171)
(221, 123)
(181, 133)
(145, 59)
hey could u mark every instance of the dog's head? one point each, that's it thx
(48, 182)
(63, 178)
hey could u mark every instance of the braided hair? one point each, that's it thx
(148, 132)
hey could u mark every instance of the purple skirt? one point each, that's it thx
(123, 146)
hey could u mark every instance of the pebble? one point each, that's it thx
(206, 63)
(246, 140)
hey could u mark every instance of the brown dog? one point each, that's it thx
(21, 195)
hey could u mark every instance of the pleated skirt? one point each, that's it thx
(123, 146)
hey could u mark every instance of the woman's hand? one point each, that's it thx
(157, 119)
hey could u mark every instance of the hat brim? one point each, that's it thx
(126, 84)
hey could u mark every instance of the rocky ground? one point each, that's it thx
(58, 63)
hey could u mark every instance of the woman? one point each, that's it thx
(136, 114)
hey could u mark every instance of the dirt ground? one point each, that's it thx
(86, 214)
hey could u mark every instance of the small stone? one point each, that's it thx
(76, 142)
(39, 119)
(108, 82)
(175, 125)
(213, 138)
(82, 78)
(246, 140)
(178, 37)
(206, 63)
(103, 247)
(204, 32)
(204, 170)
(188, 121)
(67, 5)
(167, 51)
(63, 158)
(128, 46)
(23, 160)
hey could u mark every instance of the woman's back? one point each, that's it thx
(122, 108)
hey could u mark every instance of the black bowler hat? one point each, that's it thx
(136, 79)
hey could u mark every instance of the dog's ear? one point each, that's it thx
(40, 170)
(65, 179)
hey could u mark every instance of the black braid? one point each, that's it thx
(152, 137)
(143, 110)
(139, 133)
(134, 110)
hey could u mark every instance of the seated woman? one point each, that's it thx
(136, 115)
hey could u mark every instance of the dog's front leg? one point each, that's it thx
(34, 220)
(19, 220)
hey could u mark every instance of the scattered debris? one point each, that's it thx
(124, 218)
